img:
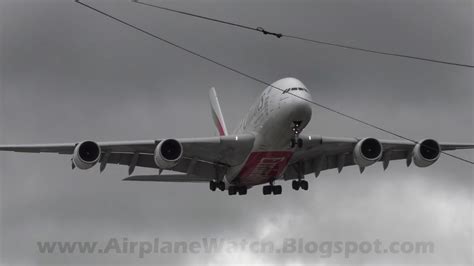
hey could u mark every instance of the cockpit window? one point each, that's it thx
(294, 89)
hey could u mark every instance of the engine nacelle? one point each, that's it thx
(168, 153)
(86, 154)
(367, 151)
(426, 152)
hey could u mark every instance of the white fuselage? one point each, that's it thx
(270, 120)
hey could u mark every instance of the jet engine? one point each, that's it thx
(86, 154)
(426, 152)
(367, 151)
(168, 153)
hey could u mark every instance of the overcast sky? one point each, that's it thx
(69, 74)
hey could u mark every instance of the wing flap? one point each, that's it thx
(199, 168)
(168, 178)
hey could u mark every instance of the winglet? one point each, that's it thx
(217, 113)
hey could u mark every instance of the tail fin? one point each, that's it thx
(217, 113)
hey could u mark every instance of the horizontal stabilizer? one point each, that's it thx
(168, 178)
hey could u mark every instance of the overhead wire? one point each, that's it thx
(257, 79)
(300, 38)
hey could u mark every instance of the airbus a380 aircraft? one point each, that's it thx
(265, 147)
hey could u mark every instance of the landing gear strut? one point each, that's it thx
(296, 133)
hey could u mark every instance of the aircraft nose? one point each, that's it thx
(299, 107)
(301, 100)
(302, 107)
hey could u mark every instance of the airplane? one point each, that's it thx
(266, 146)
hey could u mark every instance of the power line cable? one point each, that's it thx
(256, 79)
(305, 39)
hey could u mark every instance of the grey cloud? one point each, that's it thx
(68, 74)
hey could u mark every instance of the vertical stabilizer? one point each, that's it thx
(217, 113)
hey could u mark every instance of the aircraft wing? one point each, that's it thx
(321, 153)
(202, 157)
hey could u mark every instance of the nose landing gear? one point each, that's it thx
(296, 141)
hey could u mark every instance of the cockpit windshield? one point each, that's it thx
(294, 89)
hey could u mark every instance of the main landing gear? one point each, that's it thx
(235, 189)
(296, 141)
(241, 190)
(271, 189)
(297, 184)
(213, 185)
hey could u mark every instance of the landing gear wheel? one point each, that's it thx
(242, 191)
(232, 190)
(212, 185)
(221, 185)
(300, 143)
(267, 190)
(295, 185)
(304, 184)
(276, 190)
(292, 143)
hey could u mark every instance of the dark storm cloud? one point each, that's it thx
(68, 74)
